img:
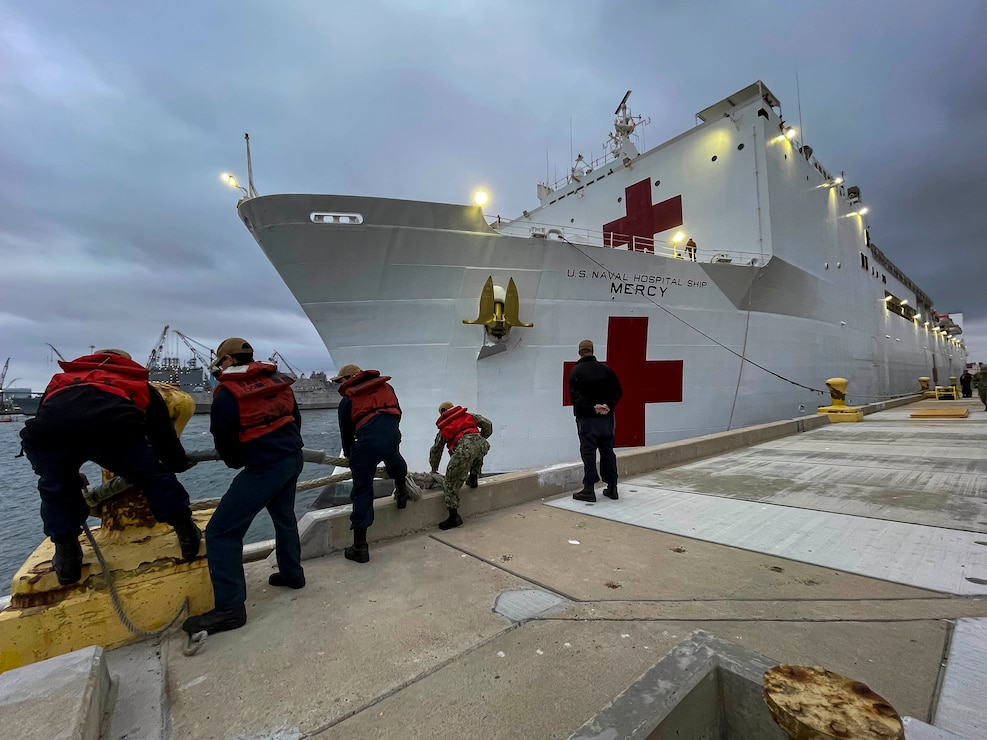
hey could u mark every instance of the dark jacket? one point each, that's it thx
(85, 411)
(591, 382)
(227, 431)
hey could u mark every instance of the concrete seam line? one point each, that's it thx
(540, 585)
(405, 684)
(941, 673)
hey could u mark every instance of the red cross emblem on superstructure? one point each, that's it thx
(642, 381)
(643, 219)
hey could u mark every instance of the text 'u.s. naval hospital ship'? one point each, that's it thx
(724, 275)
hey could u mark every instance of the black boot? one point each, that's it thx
(473, 480)
(189, 538)
(217, 620)
(454, 520)
(359, 551)
(279, 579)
(401, 489)
(587, 494)
(67, 562)
(611, 491)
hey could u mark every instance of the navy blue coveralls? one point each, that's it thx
(83, 423)
(379, 440)
(271, 465)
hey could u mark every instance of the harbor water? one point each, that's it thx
(19, 502)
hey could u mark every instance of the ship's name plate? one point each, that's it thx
(625, 283)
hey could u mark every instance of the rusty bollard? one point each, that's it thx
(811, 703)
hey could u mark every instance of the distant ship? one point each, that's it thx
(725, 275)
(27, 405)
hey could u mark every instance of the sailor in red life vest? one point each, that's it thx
(256, 426)
(369, 427)
(465, 436)
(101, 408)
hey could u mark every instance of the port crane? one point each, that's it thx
(56, 352)
(158, 350)
(3, 375)
(190, 343)
(292, 371)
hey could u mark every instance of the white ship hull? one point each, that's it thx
(804, 297)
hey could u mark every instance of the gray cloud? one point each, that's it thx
(117, 118)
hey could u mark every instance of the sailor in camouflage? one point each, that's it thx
(465, 436)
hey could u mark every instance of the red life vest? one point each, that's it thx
(111, 373)
(263, 395)
(370, 395)
(454, 423)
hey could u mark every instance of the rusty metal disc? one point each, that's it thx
(811, 703)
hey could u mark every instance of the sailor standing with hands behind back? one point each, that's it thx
(594, 390)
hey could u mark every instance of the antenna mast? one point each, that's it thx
(798, 97)
(250, 169)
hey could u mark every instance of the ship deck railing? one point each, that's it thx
(625, 242)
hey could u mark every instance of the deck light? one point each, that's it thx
(789, 133)
(677, 238)
(480, 197)
(863, 210)
(917, 316)
(232, 182)
(904, 302)
(886, 299)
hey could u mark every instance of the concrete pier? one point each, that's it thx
(860, 548)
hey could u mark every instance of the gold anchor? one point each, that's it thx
(502, 311)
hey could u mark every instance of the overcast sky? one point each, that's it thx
(117, 118)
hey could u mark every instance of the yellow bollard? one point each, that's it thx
(45, 619)
(838, 410)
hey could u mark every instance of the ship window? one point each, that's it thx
(740, 146)
(336, 218)
(884, 278)
(713, 159)
(620, 199)
(657, 183)
(863, 260)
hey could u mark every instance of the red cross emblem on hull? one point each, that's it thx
(643, 219)
(642, 381)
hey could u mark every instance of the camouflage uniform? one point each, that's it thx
(980, 381)
(466, 458)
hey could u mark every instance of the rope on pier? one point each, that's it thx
(415, 481)
(107, 575)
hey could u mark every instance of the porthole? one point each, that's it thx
(713, 159)
(657, 183)
(740, 146)
(620, 200)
